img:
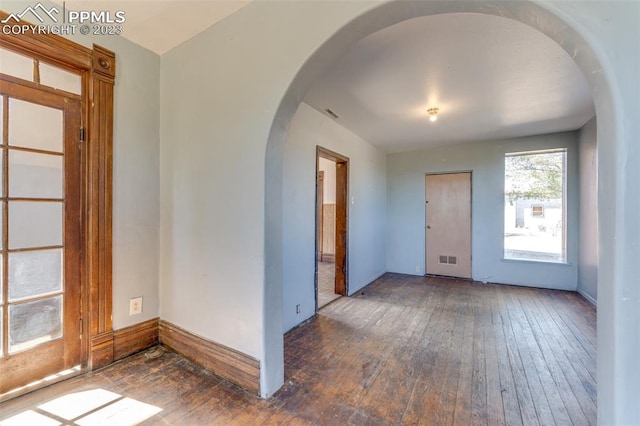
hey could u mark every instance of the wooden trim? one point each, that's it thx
(4, 342)
(136, 338)
(101, 349)
(342, 228)
(99, 192)
(39, 87)
(319, 213)
(104, 62)
(330, 155)
(235, 366)
(48, 47)
(342, 218)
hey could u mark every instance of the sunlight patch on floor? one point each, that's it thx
(30, 417)
(91, 407)
(52, 378)
(77, 404)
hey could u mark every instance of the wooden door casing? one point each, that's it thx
(341, 284)
(341, 224)
(319, 215)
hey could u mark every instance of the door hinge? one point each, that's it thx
(82, 134)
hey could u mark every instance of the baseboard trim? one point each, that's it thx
(235, 366)
(130, 340)
(101, 350)
(591, 300)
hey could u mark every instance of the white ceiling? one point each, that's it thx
(491, 77)
(162, 25)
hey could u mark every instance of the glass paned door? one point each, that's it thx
(39, 234)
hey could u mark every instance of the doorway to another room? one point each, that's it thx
(332, 171)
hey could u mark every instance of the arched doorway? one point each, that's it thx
(561, 30)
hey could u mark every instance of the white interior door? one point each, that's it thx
(448, 224)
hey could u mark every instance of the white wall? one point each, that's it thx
(588, 256)
(329, 181)
(366, 214)
(136, 188)
(406, 207)
(219, 93)
(136, 181)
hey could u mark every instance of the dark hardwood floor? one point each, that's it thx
(405, 350)
(326, 283)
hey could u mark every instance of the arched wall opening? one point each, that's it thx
(559, 28)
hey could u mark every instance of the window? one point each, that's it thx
(537, 210)
(534, 206)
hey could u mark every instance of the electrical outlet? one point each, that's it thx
(417, 268)
(297, 309)
(135, 306)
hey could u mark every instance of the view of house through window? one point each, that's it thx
(534, 206)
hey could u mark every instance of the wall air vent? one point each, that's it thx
(331, 113)
(447, 260)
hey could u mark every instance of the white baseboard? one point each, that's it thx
(593, 301)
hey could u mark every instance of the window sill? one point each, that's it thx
(543, 262)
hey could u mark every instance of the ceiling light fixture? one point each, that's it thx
(433, 114)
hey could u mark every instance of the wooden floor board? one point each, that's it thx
(529, 353)
(404, 350)
(570, 365)
(511, 403)
(479, 385)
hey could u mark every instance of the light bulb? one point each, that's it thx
(433, 114)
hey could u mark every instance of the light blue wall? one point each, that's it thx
(366, 209)
(406, 208)
(588, 256)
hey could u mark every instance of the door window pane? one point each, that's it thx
(16, 65)
(33, 273)
(35, 126)
(35, 224)
(35, 175)
(1, 167)
(33, 323)
(60, 79)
